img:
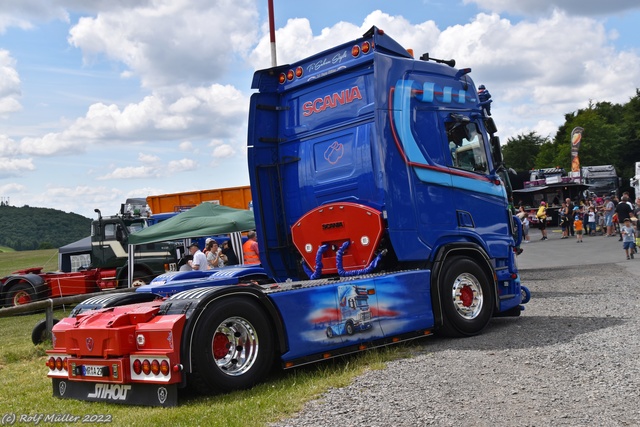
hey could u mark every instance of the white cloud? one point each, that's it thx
(131, 172)
(182, 165)
(539, 7)
(185, 146)
(8, 147)
(537, 71)
(9, 84)
(148, 158)
(12, 188)
(223, 151)
(198, 40)
(152, 168)
(166, 115)
(15, 167)
(296, 40)
(77, 199)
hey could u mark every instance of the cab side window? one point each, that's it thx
(466, 147)
(109, 231)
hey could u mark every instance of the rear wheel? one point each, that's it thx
(233, 346)
(20, 294)
(466, 296)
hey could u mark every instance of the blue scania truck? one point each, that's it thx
(382, 215)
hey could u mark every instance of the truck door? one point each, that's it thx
(106, 250)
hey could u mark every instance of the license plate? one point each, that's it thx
(93, 371)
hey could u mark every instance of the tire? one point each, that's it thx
(525, 294)
(349, 328)
(467, 297)
(329, 332)
(232, 346)
(20, 294)
(139, 279)
(39, 332)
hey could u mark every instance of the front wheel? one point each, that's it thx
(466, 296)
(233, 346)
(139, 279)
(39, 333)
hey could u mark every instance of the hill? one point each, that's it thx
(27, 228)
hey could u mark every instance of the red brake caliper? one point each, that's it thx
(220, 345)
(466, 296)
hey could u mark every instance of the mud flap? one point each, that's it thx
(164, 395)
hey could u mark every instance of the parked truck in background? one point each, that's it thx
(362, 178)
(602, 179)
(109, 262)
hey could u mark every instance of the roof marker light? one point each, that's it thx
(355, 51)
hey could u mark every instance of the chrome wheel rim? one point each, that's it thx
(235, 346)
(467, 296)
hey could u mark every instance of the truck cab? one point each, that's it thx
(110, 245)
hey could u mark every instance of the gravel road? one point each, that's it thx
(571, 359)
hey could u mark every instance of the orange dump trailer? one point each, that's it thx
(234, 197)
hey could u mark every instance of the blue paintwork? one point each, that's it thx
(397, 306)
(369, 130)
(331, 151)
(170, 283)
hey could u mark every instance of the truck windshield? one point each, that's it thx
(136, 226)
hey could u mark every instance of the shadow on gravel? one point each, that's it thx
(521, 333)
(552, 294)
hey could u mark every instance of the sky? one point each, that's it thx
(104, 100)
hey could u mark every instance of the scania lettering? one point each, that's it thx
(382, 215)
(331, 101)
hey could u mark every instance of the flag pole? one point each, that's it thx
(272, 35)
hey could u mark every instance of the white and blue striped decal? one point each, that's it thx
(426, 170)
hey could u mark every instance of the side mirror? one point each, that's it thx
(490, 125)
(496, 151)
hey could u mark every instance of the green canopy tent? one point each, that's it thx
(206, 219)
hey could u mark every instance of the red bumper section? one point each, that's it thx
(333, 224)
(122, 355)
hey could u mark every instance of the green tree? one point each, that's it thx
(601, 140)
(520, 152)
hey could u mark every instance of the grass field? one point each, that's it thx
(11, 260)
(26, 390)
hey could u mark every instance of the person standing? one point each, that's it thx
(564, 214)
(628, 234)
(570, 230)
(623, 210)
(199, 261)
(250, 249)
(591, 221)
(608, 210)
(524, 218)
(578, 225)
(542, 219)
